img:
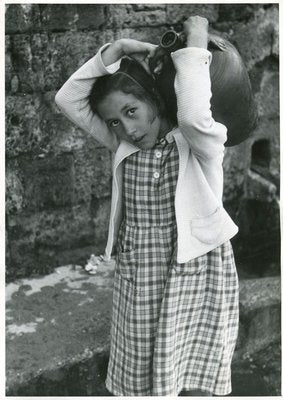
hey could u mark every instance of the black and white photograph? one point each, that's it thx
(142, 199)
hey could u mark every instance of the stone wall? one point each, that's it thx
(58, 179)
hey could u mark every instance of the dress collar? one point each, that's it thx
(168, 138)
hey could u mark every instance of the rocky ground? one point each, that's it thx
(57, 341)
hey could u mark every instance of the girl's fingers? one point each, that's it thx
(132, 46)
(143, 59)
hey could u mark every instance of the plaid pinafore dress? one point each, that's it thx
(174, 326)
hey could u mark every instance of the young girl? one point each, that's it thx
(175, 304)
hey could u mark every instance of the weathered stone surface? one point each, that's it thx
(260, 188)
(254, 40)
(34, 125)
(128, 15)
(260, 314)
(147, 18)
(23, 119)
(14, 191)
(275, 43)
(100, 211)
(177, 13)
(92, 170)
(48, 182)
(21, 56)
(22, 18)
(235, 12)
(267, 98)
(58, 326)
(91, 16)
(117, 14)
(56, 321)
(235, 164)
(43, 62)
(36, 240)
(148, 7)
(269, 129)
(8, 63)
(63, 135)
(66, 17)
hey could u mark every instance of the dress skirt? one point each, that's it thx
(174, 326)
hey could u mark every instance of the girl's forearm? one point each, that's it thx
(196, 31)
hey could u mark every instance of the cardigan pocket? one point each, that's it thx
(192, 267)
(127, 265)
(207, 229)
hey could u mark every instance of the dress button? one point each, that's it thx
(158, 154)
(156, 175)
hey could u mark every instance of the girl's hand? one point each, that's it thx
(141, 51)
(196, 31)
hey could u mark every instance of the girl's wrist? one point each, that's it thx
(112, 53)
(197, 40)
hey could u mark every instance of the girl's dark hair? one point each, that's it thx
(131, 78)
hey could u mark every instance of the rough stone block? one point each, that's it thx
(237, 12)
(35, 125)
(260, 188)
(37, 239)
(92, 174)
(23, 119)
(147, 18)
(22, 18)
(269, 129)
(259, 313)
(100, 211)
(48, 182)
(14, 190)
(128, 16)
(72, 16)
(117, 14)
(148, 7)
(58, 16)
(267, 98)
(91, 16)
(58, 328)
(8, 63)
(177, 13)
(43, 62)
(275, 44)
(125, 15)
(21, 56)
(235, 165)
(254, 40)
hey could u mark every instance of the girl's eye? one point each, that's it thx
(131, 111)
(114, 123)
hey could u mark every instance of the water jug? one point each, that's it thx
(232, 100)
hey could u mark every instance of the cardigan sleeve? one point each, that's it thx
(205, 136)
(72, 99)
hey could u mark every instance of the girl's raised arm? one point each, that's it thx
(206, 137)
(73, 97)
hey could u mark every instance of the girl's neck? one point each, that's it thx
(165, 127)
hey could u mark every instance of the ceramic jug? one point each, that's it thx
(232, 100)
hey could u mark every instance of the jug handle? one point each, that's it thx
(216, 42)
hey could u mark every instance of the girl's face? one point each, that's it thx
(130, 119)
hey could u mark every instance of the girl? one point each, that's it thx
(175, 301)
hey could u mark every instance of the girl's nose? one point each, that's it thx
(130, 130)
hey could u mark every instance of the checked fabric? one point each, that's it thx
(174, 326)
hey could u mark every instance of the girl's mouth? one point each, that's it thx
(140, 139)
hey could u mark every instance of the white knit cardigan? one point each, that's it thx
(202, 222)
